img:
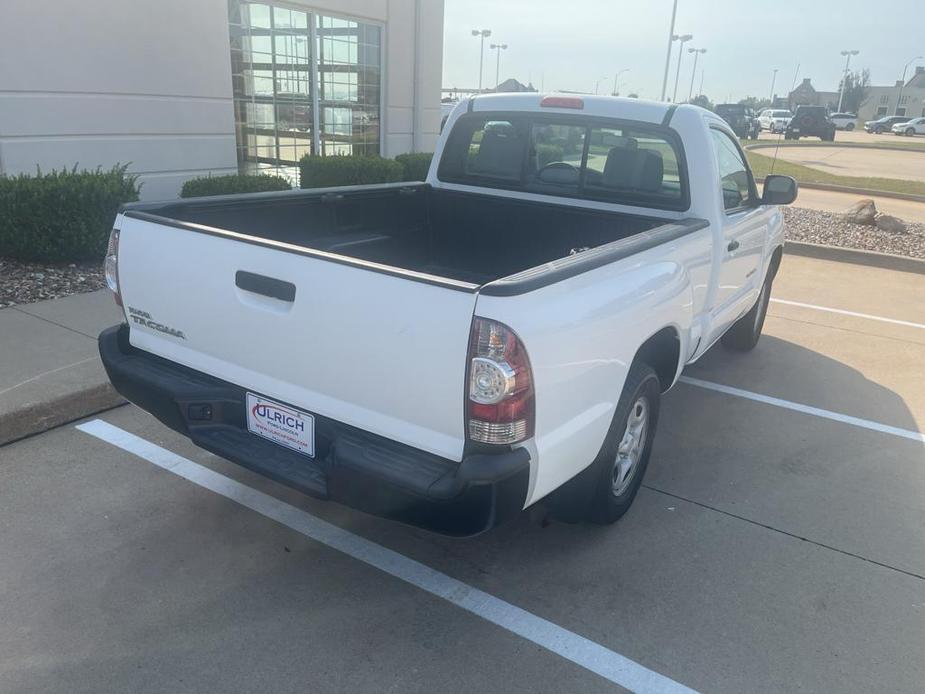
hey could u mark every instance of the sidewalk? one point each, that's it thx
(50, 372)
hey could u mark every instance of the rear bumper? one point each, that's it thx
(351, 466)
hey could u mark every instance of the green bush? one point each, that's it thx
(546, 154)
(233, 183)
(415, 165)
(62, 216)
(347, 170)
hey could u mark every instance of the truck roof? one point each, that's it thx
(593, 105)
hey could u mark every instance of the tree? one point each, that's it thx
(702, 101)
(857, 87)
(755, 103)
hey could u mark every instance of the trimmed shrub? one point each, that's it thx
(347, 170)
(205, 186)
(62, 216)
(546, 154)
(415, 165)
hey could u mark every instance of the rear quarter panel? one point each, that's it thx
(581, 335)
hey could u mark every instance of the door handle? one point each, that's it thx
(267, 286)
(733, 245)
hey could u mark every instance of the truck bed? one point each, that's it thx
(466, 237)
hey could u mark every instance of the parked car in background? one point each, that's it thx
(885, 124)
(916, 126)
(844, 121)
(810, 121)
(741, 119)
(774, 120)
(446, 353)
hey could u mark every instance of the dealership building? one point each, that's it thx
(184, 88)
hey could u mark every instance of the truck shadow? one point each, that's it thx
(714, 446)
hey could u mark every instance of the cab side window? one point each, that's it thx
(733, 173)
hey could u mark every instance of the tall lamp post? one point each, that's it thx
(498, 47)
(841, 93)
(684, 38)
(483, 34)
(616, 79)
(773, 80)
(903, 83)
(674, 13)
(696, 52)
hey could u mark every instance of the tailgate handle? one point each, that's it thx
(268, 286)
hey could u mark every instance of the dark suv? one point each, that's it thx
(741, 119)
(810, 121)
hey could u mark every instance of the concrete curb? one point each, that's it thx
(887, 261)
(849, 145)
(41, 416)
(864, 191)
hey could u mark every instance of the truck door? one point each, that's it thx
(744, 228)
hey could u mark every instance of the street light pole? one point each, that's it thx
(682, 40)
(903, 83)
(841, 93)
(674, 13)
(498, 47)
(617, 77)
(482, 33)
(696, 52)
(773, 80)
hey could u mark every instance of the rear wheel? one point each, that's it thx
(744, 333)
(849, 127)
(618, 471)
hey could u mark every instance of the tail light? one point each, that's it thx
(111, 265)
(500, 403)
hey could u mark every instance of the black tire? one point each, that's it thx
(878, 131)
(593, 495)
(849, 127)
(910, 132)
(745, 332)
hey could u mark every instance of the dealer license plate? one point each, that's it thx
(281, 424)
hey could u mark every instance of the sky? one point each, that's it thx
(581, 44)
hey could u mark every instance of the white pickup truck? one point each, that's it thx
(450, 352)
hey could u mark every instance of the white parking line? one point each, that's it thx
(581, 651)
(855, 314)
(805, 409)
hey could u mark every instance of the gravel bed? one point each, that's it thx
(23, 283)
(814, 226)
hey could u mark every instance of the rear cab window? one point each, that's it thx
(595, 159)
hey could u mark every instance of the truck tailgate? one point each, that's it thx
(383, 353)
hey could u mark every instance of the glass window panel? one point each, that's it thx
(273, 61)
(733, 173)
(257, 16)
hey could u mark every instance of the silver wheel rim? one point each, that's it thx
(631, 447)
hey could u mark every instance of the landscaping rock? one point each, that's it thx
(23, 283)
(815, 226)
(864, 211)
(892, 225)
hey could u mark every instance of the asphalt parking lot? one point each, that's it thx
(778, 545)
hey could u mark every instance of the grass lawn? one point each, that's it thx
(761, 167)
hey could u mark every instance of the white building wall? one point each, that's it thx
(100, 82)
(880, 98)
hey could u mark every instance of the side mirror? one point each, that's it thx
(779, 190)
